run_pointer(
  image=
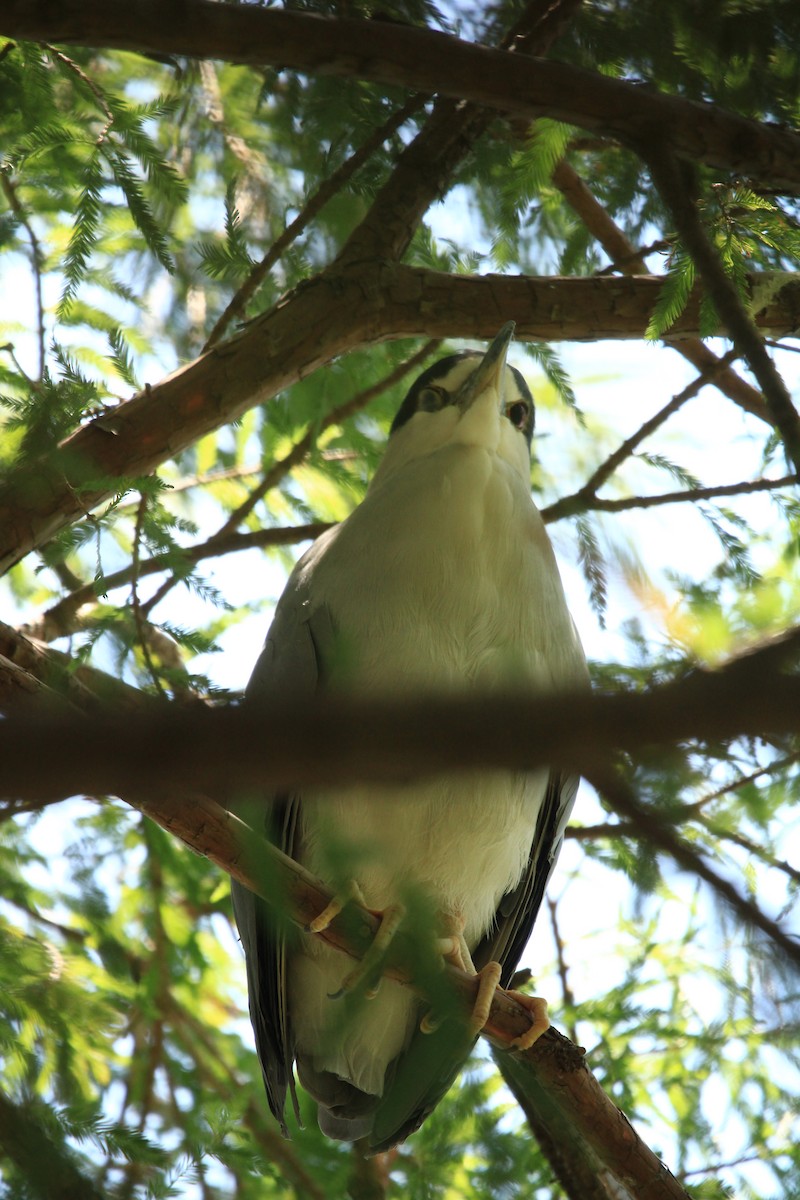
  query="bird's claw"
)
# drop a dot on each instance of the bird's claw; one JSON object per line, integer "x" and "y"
{"x": 351, "y": 892}
{"x": 367, "y": 973}
{"x": 540, "y": 1022}
{"x": 455, "y": 950}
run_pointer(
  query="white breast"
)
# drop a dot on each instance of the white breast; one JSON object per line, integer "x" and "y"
{"x": 443, "y": 579}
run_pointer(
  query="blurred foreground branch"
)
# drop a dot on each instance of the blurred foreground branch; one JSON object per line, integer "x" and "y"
{"x": 231, "y": 750}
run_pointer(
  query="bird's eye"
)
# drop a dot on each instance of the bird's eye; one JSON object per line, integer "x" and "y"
{"x": 430, "y": 399}
{"x": 517, "y": 414}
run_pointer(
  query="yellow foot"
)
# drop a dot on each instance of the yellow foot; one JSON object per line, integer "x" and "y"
{"x": 367, "y": 973}
{"x": 540, "y": 1022}
{"x": 352, "y": 892}
{"x": 455, "y": 950}
{"x": 488, "y": 985}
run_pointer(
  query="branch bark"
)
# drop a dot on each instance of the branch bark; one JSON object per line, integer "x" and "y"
{"x": 423, "y": 60}
{"x": 340, "y": 309}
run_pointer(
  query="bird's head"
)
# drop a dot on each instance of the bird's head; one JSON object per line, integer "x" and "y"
{"x": 471, "y": 399}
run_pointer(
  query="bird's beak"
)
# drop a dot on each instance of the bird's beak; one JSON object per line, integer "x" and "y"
{"x": 488, "y": 375}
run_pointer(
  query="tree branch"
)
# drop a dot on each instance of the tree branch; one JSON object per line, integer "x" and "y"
{"x": 572, "y": 1097}
{"x": 339, "y": 310}
{"x": 375, "y": 738}
{"x": 37, "y": 261}
{"x": 425, "y": 169}
{"x": 425, "y": 61}
{"x": 746, "y": 487}
{"x": 325, "y": 192}
{"x": 586, "y": 496}
{"x": 567, "y": 1095}
{"x": 226, "y": 539}
{"x": 596, "y": 1157}
{"x": 625, "y": 256}
{"x": 64, "y": 617}
{"x": 661, "y": 834}
{"x": 671, "y": 181}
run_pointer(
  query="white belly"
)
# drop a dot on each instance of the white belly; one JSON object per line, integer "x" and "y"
{"x": 449, "y": 583}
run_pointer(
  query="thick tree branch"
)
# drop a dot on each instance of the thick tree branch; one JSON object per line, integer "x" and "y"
{"x": 232, "y": 750}
{"x": 554, "y": 1078}
{"x": 425, "y": 169}
{"x": 425, "y": 61}
{"x": 598, "y": 1156}
{"x": 356, "y": 306}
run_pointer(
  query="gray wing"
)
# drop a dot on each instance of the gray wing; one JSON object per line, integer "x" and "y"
{"x": 428, "y": 1067}
{"x": 287, "y": 669}
{"x": 518, "y": 910}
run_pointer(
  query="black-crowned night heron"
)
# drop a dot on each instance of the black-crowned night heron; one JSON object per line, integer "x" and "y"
{"x": 443, "y": 579}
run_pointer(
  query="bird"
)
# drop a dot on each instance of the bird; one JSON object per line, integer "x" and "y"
{"x": 443, "y": 579}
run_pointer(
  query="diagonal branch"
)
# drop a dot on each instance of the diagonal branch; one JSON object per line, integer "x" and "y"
{"x": 426, "y": 167}
{"x": 586, "y": 497}
{"x": 628, "y": 259}
{"x": 300, "y": 450}
{"x": 226, "y": 539}
{"x": 661, "y": 835}
{"x": 325, "y": 192}
{"x": 687, "y": 496}
{"x": 671, "y": 181}
{"x": 65, "y": 616}
{"x": 571, "y": 1096}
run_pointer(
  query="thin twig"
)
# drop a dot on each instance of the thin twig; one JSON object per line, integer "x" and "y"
{"x": 282, "y": 466}
{"x": 742, "y": 781}
{"x": 626, "y": 829}
{"x": 661, "y": 835}
{"x": 89, "y": 83}
{"x": 63, "y": 617}
{"x": 689, "y": 495}
{"x": 297, "y": 454}
{"x": 586, "y": 497}
{"x": 567, "y": 993}
{"x": 139, "y": 617}
{"x": 37, "y": 260}
{"x": 293, "y": 459}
